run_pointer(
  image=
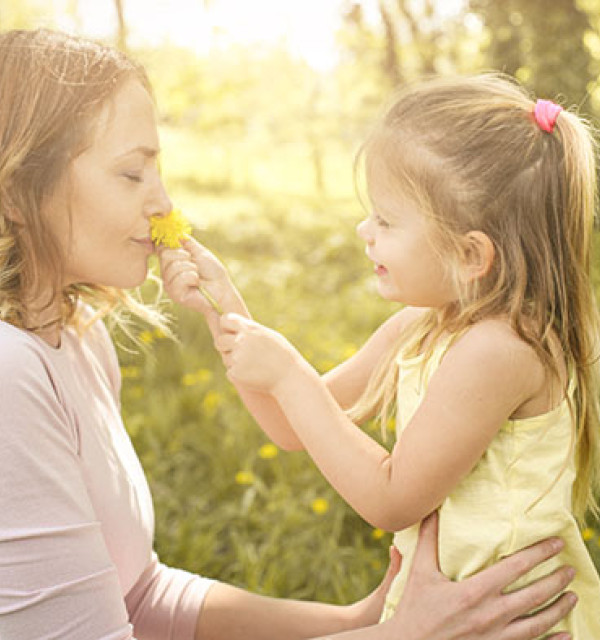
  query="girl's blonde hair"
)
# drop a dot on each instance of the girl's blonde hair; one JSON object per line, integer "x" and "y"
{"x": 52, "y": 88}
{"x": 470, "y": 154}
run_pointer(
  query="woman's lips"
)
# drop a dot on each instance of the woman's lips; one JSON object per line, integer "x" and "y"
{"x": 146, "y": 243}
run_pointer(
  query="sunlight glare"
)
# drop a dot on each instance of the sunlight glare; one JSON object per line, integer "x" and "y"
{"x": 306, "y": 29}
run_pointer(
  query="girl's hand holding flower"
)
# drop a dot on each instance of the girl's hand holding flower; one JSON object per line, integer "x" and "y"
{"x": 192, "y": 275}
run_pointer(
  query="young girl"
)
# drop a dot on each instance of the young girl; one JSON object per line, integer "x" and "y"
{"x": 482, "y": 215}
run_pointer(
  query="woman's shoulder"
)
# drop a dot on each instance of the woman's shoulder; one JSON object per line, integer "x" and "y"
{"x": 18, "y": 347}
{"x": 26, "y": 368}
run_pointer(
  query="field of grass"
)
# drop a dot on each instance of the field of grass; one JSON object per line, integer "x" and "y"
{"x": 229, "y": 504}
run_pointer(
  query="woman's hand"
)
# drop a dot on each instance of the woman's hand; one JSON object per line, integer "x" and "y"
{"x": 367, "y": 611}
{"x": 192, "y": 268}
{"x": 435, "y": 608}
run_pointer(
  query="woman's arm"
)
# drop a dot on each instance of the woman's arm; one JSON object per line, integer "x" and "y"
{"x": 231, "y": 613}
{"x": 432, "y": 608}
{"x": 481, "y": 381}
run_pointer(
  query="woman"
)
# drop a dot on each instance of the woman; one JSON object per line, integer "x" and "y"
{"x": 78, "y": 185}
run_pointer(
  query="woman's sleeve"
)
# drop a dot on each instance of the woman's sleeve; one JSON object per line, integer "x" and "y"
{"x": 165, "y": 603}
{"x": 56, "y": 576}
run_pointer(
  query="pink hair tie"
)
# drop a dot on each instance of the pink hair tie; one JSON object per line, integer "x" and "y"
{"x": 545, "y": 113}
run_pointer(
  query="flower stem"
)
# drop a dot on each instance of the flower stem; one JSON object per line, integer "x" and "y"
{"x": 213, "y": 303}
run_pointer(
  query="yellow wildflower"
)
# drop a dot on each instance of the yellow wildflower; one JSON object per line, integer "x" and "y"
{"x": 377, "y": 534}
{"x": 147, "y": 337}
{"x": 244, "y": 477}
{"x": 211, "y": 402}
{"x": 587, "y": 534}
{"x": 188, "y": 380}
{"x": 204, "y": 375}
{"x": 169, "y": 230}
{"x": 130, "y": 372}
{"x": 320, "y": 506}
{"x": 268, "y": 451}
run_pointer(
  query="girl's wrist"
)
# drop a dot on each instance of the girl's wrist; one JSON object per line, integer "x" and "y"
{"x": 299, "y": 375}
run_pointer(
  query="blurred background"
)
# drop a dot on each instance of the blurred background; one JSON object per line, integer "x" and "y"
{"x": 262, "y": 106}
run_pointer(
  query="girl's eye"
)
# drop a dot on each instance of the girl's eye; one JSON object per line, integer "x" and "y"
{"x": 381, "y": 221}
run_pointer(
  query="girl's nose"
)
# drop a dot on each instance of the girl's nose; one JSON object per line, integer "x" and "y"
{"x": 363, "y": 231}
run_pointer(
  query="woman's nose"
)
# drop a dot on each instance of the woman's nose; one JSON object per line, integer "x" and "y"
{"x": 160, "y": 203}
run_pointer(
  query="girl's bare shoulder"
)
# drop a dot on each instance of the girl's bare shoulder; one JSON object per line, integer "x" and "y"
{"x": 496, "y": 346}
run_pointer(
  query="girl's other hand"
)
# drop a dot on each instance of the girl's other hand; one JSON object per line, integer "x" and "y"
{"x": 255, "y": 356}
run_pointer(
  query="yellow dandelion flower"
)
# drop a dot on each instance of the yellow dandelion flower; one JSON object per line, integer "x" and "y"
{"x": 146, "y": 337}
{"x": 377, "y": 534}
{"x": 169, "y": 230}
{"x": 268, "y": 451}
{"x": 188, "y": 380}
{"x": 587, "y": 534}
{"x": 320, "y": 506}
{"x": 204, "y": 375}
{"x": 130, "y": 372}
{"x": 211, "y": 402}
{"x": 244, "y": 477}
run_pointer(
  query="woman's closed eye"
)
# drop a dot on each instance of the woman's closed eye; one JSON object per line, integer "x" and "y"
{"x": 133, "y": 176}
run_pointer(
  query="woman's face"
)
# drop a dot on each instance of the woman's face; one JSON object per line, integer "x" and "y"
{"x": 101, "y": 211}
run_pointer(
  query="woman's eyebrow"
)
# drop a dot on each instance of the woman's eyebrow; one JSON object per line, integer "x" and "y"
{"x": 149, "y": 152}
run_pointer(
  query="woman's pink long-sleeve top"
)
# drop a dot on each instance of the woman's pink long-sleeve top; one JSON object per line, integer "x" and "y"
{"x": 76, "y": 516}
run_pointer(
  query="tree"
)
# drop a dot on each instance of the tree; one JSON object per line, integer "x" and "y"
{"x": 542, "y": 44}
{"x": 121, "y": 26}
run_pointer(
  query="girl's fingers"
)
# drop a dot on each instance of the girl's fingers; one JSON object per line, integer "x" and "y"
{"x": 225, "y": 342}
{"x": 182, "y": 279}
{"x": 233, "y": 322}
{"x": 169, "y": 269}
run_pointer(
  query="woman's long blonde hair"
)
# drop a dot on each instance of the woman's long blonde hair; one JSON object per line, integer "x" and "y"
{"x": 470, "y": 154}
{"x": 52, "y": 87}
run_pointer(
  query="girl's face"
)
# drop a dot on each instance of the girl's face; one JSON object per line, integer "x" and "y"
{"x": 101, "y": 211}
{"x": 408, "y": 267}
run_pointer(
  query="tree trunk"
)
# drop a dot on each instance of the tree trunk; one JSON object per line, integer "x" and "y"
{"x": 122, "y": 27}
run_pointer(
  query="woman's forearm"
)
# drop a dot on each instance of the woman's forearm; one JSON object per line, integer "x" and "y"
{"x": 230, "y": 613}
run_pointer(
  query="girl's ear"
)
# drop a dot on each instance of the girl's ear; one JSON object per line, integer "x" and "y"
{"x": 478, "y": 255}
